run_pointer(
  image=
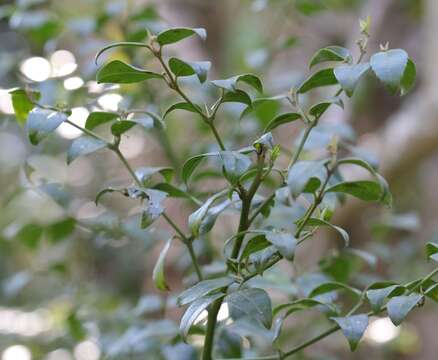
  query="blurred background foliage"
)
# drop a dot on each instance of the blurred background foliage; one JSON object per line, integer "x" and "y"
{"x": 75, "y": 277}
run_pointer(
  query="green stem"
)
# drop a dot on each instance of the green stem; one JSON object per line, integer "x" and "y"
{"x": 194, "y": 260}
{"x": 127, "y": 166}
{"x": 188, "y": 242}
{"x": 303, "y": 140}
{"x": 275, "y": 259}
{"x": 125, "y": 162}
{"x": 174, "y": 85}
{"x": 260, "y": 208}
{"x": 336, "y": 327}
{"x": 216, "y": 134}
{"x": 243, "y": 226}
{"x": 246, "y": 205}
{"x": 211, "y": 327}
{"x": 88, "y": 132}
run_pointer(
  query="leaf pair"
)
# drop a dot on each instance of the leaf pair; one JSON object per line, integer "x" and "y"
{"x": 200, "y": 296}
{"x": 284, "y": 242}
{"x": 392, "y": 67}
{"x": 42, "y": 122}
{"x": 235, "y": 163}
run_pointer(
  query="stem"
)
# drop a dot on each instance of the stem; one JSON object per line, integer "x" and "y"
{"x": 301, "y": 145}
{"x": 275, "y": 259}
{"x": 260, "y": 208}
{"x": 216, "y": 134}
{"x": 127, "y": 166}
{"x": 246, "y": 205}
{"x": 314, "y": 206}
{"x": 195, "y": 263}
{"x": 211, "y": 327}
{"x": 185, "y": 239}
{"x": 86, "y": 131}
{"x": 174, "y": 85}
{"x": 312, "y": 341}
{"x": 188, "y": 242}
{"x": 243, "y": 226}
{"x": 336, "y": 327}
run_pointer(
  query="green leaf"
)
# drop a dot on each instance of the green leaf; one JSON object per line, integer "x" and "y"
{"x": 302, "y": 304}
{"x": 353, "y": 327}
{"x": 282, "y": 119}
{"x": 330, "y": 53}
{"x": 239, "y": 96}
{"x": 254, "y": 245}
{"x": 251, "y": 303}
{"x": 30, "y": 235}
{"x": 42, "y": 122}
{"x": 108, "y": 190}
{"x": 409, "y": 77}
{"x": 211, "y": 216}
{"x": 363, "y": 189}
{"x": 147, "y": 119}
{"x": 325, "y": 77}
{"x": 61, "y": 229}
{"x": 196, "y": 218}
{"x": 321, "y": 222}
{"x": 192, "y": 163}
{"x": 173, "y": 35}
{"x": 318, "y": 109}
{"x": 389, "y": 66}
{"x": 310, "y": 7}
{"x": 158, "y": 273}
{"x": 333, "y": 286}
{"x": 75, "y": 327}
{"x": 305, "y": 173}
{"x": 119, "y": 44}
{"x": 194, "y": 310}
{"x": 377, "y": 293}
{"x": 386, "y": 194}
{"x": 118, "y": 72}
{"x": 400, "y": 306}
{"x": 284, "y": 242}
{"x": 432, "y": 251}
{"x": 203, "y": 288}
{"x": 22, "y": 105}
{"x": 173, "y": 191}
{"x": 182, "y": 106}
{"x": 349, "y": 76}
{"x": 265, "y": 108}
{"x": 189, "y": 68}
{"x": 84, "y": 145}
{"x": 122, "y": 126}
{"x": 230, "y": 84}
{"x": 153, "y": 209}
{"x": 234, "y": 165}
{"x": 144, "y": 174}
{"x": 98, "y": 118}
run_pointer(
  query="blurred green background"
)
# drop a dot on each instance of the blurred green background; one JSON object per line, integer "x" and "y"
{"x": 75, "y": 278}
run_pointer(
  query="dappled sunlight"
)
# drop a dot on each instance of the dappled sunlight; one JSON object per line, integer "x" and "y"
{"x": 87, "y": 350}
{"x": 17, "y": 352}
{"x": 381, "y": 331}
{"x": 63, "y": 63}
{"x": 36, "y": 68}
{"x": 79, "y": 117}
{"x": 59, "y": 354}
{"x": 6, "y": 102}
{"x": 24, "y": 323}
{"x": 73, "y": 83}
{"x": 110, "y": 101}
